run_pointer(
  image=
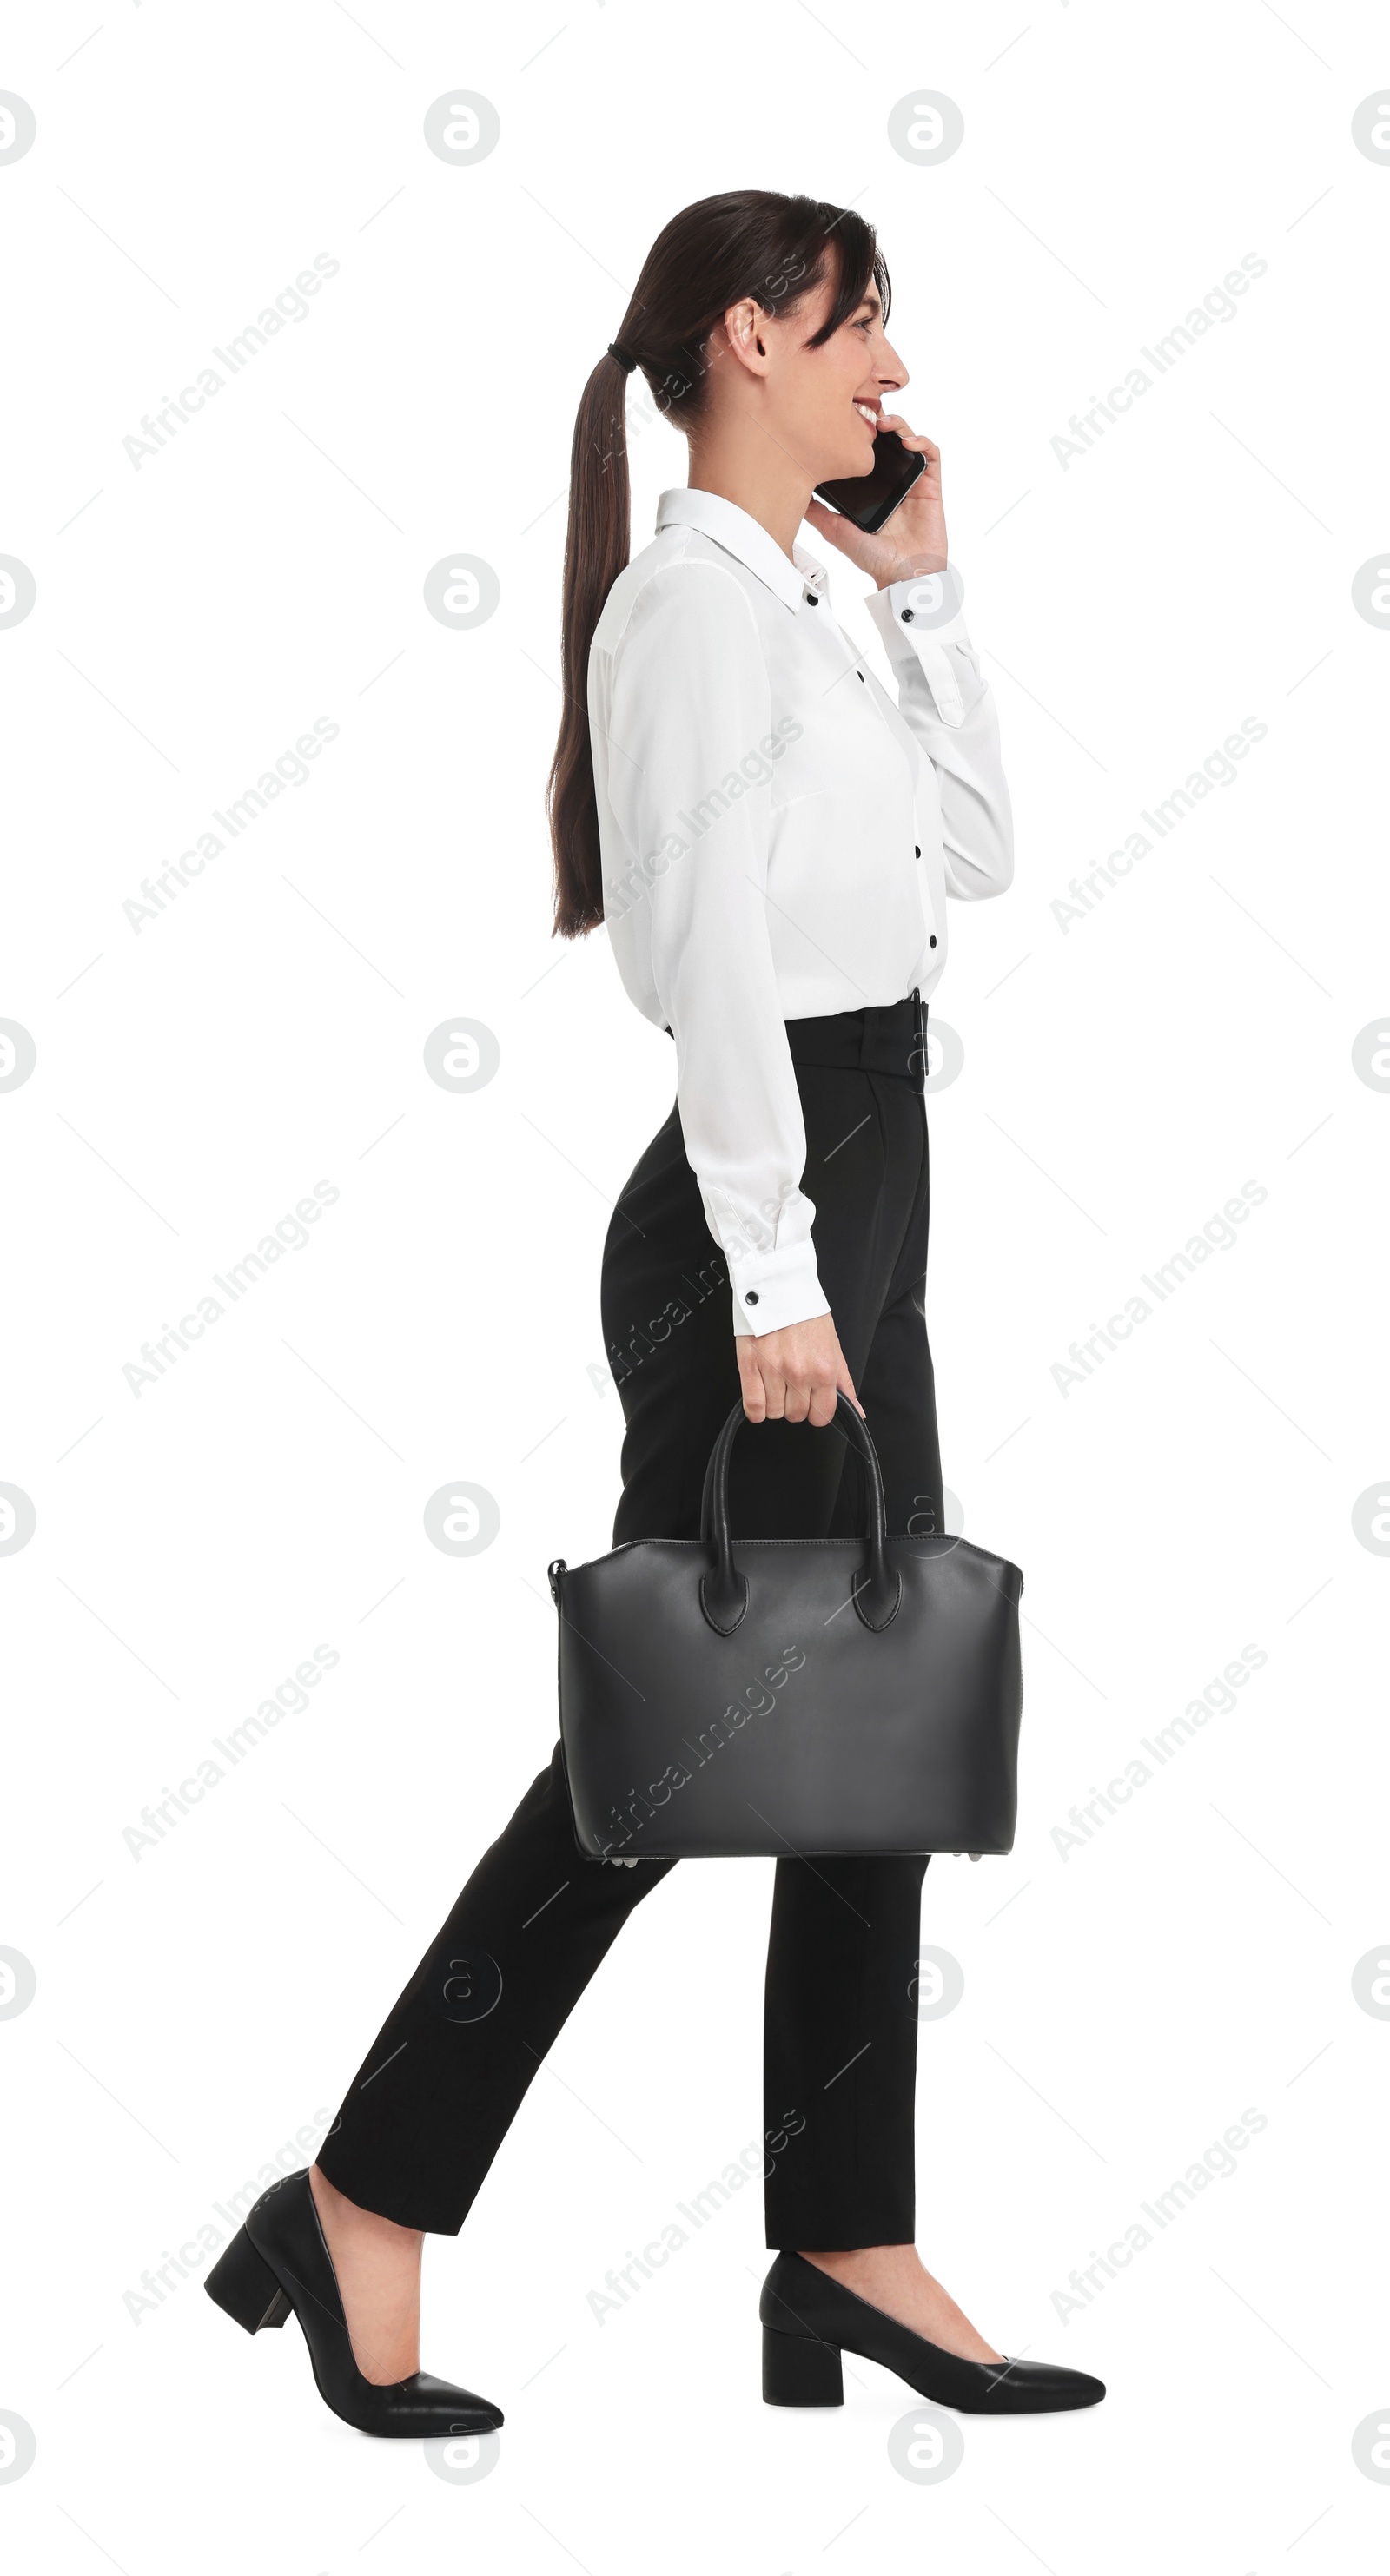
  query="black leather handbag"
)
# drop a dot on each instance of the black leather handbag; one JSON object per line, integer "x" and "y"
{"x": 778, "y": 1696}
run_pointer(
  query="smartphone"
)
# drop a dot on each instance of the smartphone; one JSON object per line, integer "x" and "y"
{"x": 869, "y": 500}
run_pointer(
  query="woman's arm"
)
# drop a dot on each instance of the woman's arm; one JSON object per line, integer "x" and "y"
{"x": 942, "y": 693}
{"x": 945, "y": 698}
{"x": 690, "y": 760}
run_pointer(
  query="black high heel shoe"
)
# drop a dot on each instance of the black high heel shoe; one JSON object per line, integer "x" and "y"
{"x": 279, "y": 2262}
{"x": 809, "y": 2320}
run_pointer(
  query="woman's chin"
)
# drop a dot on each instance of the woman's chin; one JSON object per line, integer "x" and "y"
{"x": 852, "y": 469}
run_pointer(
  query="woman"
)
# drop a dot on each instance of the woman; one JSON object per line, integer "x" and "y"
{"x": 771, "y": 839}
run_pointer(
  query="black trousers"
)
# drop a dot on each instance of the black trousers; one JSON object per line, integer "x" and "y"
{"x": 443, "y": 2080}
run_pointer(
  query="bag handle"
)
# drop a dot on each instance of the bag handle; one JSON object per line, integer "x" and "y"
{"x": 877, "y": 1586}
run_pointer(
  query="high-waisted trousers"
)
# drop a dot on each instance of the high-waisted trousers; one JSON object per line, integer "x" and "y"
{"x": 441, "y": 2084}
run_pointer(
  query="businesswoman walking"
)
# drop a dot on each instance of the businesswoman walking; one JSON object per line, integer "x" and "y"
{"x": 771, "y": 838}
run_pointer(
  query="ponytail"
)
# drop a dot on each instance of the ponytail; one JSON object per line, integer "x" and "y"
{"x": 596, "y": 551}
{"x": 710, "y": 256}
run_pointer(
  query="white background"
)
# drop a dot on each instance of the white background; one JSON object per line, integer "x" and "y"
{"x": 1122, "y": 1078}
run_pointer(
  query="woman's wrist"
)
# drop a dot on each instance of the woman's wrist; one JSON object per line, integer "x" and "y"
{"x": 913, "y": 568}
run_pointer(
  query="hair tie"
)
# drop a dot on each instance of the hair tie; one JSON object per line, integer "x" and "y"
{"x": 625, "y": 362}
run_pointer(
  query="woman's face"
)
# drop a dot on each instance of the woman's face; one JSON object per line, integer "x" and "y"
{"x": 823, "y": 404}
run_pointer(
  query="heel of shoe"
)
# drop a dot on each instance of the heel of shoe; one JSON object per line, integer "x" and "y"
{"x": 798, "y": 2371}
{"x": 243, "y": 2284}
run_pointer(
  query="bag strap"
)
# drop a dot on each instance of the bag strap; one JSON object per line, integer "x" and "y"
{"x": 877, "y": 1587}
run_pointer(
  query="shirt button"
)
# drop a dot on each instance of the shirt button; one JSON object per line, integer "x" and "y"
{"x": 932, "y": 941}
{"x": 906, "y": 616}
{"x": 859, "y": 675}
{"x": 751, "y": 1296}
{"x": 811, "y": 600}
{"x": 918, "y": 851}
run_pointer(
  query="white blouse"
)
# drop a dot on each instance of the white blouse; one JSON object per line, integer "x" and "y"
{"x": 778, "y": 839}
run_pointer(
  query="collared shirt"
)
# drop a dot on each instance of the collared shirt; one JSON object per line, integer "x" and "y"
{"x": 778, "y": 839}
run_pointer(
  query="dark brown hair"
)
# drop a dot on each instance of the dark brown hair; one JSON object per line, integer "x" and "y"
{"x": 711, "y": 255}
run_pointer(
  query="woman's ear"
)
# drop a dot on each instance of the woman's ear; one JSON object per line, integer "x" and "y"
{"x": 743, "y": 337}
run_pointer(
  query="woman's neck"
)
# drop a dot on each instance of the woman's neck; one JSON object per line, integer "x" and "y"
{"x": 753, "y": 470}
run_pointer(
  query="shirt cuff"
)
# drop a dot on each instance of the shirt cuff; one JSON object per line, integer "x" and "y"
{"x": 774, "y": 1289}
{"x": 917, "y": 620}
